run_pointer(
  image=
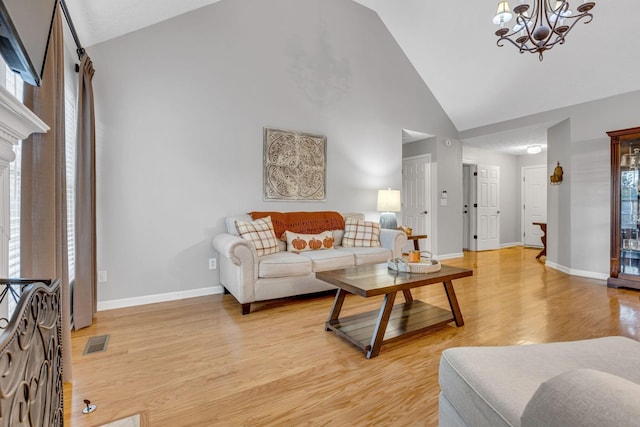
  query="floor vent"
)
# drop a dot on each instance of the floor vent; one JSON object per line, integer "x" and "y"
{"x": 96, "y": 344}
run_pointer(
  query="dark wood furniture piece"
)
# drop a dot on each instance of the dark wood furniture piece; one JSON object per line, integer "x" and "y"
{"x": 416, "y": 238}
{"x": 370, "y": 330}
{"x": 625, "y": 213}
{"x": 543, "y": 227}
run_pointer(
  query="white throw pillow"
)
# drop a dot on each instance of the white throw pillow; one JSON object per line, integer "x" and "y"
{"x": 297, "y": 242}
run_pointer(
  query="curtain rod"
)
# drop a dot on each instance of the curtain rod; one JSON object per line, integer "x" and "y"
{"x": 67, "y": 16}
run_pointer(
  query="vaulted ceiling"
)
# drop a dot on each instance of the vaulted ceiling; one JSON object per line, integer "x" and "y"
{"x": 453, "y": 47}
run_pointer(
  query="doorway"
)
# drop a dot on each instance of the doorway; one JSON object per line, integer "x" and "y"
{"x": 534, "y": 204}
{"x": 416, "y": 197}
{"x": 468, "y": 210}
{"x": 481, "y": 207}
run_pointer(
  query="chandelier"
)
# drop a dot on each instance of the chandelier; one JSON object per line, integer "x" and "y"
{"x": 541, "y": 27}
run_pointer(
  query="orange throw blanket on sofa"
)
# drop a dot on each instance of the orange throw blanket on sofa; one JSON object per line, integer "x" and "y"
{"x": 302, "y": 222}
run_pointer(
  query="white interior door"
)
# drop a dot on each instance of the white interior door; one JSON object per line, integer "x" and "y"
{"x": 534, "y": 203}
{"x": 416, "y": 198}
{"x": 466, "y": 202}
{"x": 488, "y": 227}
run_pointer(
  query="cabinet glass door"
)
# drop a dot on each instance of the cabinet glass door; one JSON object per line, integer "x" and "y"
{"x": 629, "y": 215}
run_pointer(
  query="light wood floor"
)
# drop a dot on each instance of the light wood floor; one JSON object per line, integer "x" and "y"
{"x": 199, "y": 362}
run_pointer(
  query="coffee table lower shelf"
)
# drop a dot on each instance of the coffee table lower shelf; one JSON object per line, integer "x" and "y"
{"x": 406, "y": 318}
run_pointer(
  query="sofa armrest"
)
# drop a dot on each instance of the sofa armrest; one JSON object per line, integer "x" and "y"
{"x": 230, "y": 246}
{"x": 238, "y": 266}
{"x": 394, "y": 240}
{"x": 584, "y": 397}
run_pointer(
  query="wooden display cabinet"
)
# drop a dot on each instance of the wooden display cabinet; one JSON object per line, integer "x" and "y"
{"x": 625, "y": 211}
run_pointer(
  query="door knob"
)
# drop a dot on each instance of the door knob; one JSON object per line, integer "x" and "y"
{"x": 498, "y": 212}
{"x": 424, "y": 212}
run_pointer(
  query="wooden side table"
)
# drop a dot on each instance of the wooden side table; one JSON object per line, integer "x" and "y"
{"x": 543, "y": 227}
{"x": 416, "y": 238}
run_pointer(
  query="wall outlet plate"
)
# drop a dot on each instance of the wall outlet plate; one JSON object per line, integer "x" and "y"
{"x": 102, "y": 276}
{"x": 212, "y": 264}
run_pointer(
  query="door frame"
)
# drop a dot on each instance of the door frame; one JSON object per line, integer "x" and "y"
{"x": 473, "y": 200}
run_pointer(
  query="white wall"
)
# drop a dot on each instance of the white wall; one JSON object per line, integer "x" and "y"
{"x": 181, "y": 107}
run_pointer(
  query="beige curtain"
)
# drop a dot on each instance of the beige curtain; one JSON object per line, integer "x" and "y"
{"x": 43, "y": 221}
{"x": 84, "y": 289}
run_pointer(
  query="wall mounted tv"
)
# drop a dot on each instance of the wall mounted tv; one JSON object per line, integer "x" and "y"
{"x": 25, "y": 26}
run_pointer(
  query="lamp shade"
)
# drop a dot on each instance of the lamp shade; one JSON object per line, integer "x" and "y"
{"x": 389, "y": 200}
{"x": 503, "y": 14}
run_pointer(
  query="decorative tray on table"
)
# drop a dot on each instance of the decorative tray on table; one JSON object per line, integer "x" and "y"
{"x": 424, "y": 266}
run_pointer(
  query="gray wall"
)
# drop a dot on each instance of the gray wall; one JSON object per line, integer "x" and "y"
{"x": 559, "y": 196}
{"x": 181, "y": 107}
{"x": 590, "y": 205}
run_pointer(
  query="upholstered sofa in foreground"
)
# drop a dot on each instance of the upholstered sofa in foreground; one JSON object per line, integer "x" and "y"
{"x": 307, "y": 242}
{"x": 581, "y": 383}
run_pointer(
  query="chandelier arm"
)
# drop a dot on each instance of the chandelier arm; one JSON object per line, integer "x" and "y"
{"x": 577, "y": 19}
{"x": 523, "y": 47}
{"x": 543, "y": 19}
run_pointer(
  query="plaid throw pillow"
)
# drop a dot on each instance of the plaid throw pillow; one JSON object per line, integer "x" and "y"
{"x": 260, "y": 233}
{"x": 361, "y": 233}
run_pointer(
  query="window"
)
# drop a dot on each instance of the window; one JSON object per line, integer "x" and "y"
{"x": 13, "y": 83}
{"x": 70, "y": 158}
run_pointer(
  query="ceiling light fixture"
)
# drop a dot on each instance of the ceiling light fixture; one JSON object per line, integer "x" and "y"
{"x": 541, "y": 28}
{"x": 534, "y": 149}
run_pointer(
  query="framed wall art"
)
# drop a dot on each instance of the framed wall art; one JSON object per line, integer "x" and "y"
{"x": 295, "y": 165}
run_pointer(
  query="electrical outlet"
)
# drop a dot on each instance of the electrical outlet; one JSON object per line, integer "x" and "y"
{"x": 102, "y": 276}
{"x": 212, "y": 264}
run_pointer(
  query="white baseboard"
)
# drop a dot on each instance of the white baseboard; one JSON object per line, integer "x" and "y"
{"x": 510, "y": 245}
{"x": 449, "y": 256}
{"x": 150, "y": 299}
{"x": 574, "y": 272}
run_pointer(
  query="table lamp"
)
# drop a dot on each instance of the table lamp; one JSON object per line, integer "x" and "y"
{"x": 388, "y": 205}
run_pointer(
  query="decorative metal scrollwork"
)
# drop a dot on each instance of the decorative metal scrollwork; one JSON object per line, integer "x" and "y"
{"x": 31, "y": 357}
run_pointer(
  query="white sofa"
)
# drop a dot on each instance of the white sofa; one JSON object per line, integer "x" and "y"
{"x": 250, "y": 278}
{"x": 593, "y": 382}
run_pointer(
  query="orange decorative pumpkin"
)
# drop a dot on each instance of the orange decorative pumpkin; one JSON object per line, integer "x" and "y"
{"x": 328, "y": 242}
{"x": 315, "y": 244}
{"x": 299, "y": 243}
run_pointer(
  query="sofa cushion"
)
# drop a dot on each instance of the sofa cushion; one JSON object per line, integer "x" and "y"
{"x": 303, "y": 222}
{"x": 365, "y": 256}
{"x": 260, "y": 234}
{"x": 283, "y": 264}
{"x": 297, "y": 242}
{"x": 586, "y": 398}
{"x": 329, "y": 260}
{"x": 491, "y": 386}
{"x": 361, "y": 233}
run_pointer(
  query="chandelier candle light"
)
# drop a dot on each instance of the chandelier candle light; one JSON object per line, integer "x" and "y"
{"x": 541, "y": 27}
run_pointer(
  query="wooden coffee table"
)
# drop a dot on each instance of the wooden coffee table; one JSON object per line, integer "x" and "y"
{"x": 371, "y": 329}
